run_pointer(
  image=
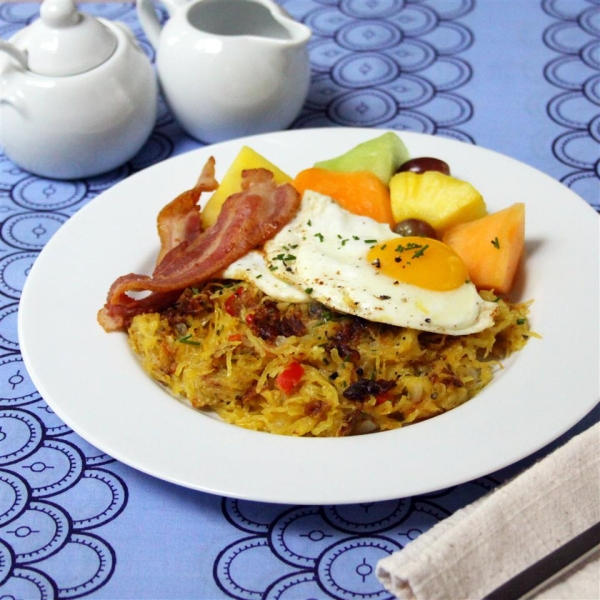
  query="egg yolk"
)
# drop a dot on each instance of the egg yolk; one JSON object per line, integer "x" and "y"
{"x": 420, "y": 261}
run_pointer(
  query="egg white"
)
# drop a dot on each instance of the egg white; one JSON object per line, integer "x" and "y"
{"x": 322, "y": 254}
{"x": 253, "y": 268}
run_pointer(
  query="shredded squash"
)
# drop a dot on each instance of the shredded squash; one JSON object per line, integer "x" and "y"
{"x": 303, "y": 370}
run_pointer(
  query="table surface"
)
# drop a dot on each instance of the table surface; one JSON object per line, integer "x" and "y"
{"x": 518, "y": 76}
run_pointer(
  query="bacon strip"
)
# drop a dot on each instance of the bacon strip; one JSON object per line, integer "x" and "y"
{"x": 179, "y": 221}
{"x": 246, "y": 220}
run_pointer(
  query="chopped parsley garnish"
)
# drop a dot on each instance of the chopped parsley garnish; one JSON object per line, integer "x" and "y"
{"x": 285, "y": 257}
{"x": 187, "y": 339}
{"x": 421, "y": 251}
{"x": 521, "y": 321}
{"x": 320, "y": 236}
{"x": 496, "y": 243}
{"x": 308, "y": 290}
{"x": 370, "y": 241}
{"x": 409, "y": 246}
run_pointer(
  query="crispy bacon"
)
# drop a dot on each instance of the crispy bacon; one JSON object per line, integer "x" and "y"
{"x": 246, "y": 220}
{"x": 179, "y": 221}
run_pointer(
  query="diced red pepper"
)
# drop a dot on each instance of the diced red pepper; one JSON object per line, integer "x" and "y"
{"x": 235, "y": 337}
{"x": 230, "y": 302}
{"x": 290, "y": 377}
{"x": 383, "y": 397}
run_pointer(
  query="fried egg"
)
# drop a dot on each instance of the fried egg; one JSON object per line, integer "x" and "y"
{"x": 358, "y": 266}
{"x": 253, "y": 268}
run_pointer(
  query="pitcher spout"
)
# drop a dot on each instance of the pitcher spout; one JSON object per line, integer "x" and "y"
{"x": 299, "y": 34}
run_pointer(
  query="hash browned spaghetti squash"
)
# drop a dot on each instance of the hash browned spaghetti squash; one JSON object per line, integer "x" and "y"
{"x": 303, "y": 370}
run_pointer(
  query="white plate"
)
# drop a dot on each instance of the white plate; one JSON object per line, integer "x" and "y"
{"x": 93, "y": 382}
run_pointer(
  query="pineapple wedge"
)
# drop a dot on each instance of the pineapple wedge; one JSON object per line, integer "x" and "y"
{"x": 441, "y": 200}
{"x": 247, "y": 158}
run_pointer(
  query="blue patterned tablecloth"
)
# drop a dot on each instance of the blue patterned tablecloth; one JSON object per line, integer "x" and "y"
{"x": 519, "y": 76}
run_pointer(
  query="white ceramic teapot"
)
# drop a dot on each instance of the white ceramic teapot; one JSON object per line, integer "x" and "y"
{"x": 229, "y": 68}
{"x": 78, "y": 97}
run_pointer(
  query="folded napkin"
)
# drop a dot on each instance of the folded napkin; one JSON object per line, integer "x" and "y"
{"x": 480, "y": 547}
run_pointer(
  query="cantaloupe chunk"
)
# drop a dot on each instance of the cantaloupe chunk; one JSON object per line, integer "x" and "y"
{"x": 231, "y": 183}
{"x": 439, "y": 199}
{"x": 491, "y": 247}
{"x": 359, "y": 192}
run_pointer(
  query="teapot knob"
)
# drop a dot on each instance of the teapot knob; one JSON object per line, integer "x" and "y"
{"x": 64, "y": 41}
{"x": 59, "y": 13}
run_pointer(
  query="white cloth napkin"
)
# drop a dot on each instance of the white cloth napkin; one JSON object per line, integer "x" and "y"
{"x": 471, "y": 553}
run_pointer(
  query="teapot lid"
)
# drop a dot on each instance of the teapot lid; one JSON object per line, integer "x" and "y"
{"x": 66, "y": 42}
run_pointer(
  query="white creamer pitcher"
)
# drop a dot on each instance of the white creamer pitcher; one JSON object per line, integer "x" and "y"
{"x": 229, "y": 68}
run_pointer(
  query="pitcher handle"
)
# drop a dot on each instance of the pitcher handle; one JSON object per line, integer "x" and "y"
{"x": 149, "y": 19}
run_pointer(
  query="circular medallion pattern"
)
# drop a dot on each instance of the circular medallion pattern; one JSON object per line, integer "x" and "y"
{"x": 56, "y": 466}
{"x": 93, "y": 565}
{"x": 21, "y": 435}
{"x": 347, "y": 569}
{"x": 8, "y": 328}
{"x": 14, "y": 269}
{"x": 28, "y": 583}
{"x": 13, "y": 496}
{"x": 157, "y": 148}
{"x": 325, "y": 53}
{"x": 326, "y": 21}
{"x": 366, "y": 70}
{"x": 379, "y": 9}
{"x": 298, "y": 585}
{"x": 417, "y": 20}
{"x": 414, "y": 55}
{"x": 368, "y": 108}
{"x": 389, "y": 64}
{"x": 107, "y": 495}
{"x": 31, "y": 231}
{"x": 369, "y": 35}
{"x": 39, "y": 532}
{"x": 368, "y": 518}
{"x": 6, "y": 562}
{"x": 18, "y": 14}
{"x": 34, "y": 193}
{"x": 11, "y": 174}
{"x": 574, "y": 72}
